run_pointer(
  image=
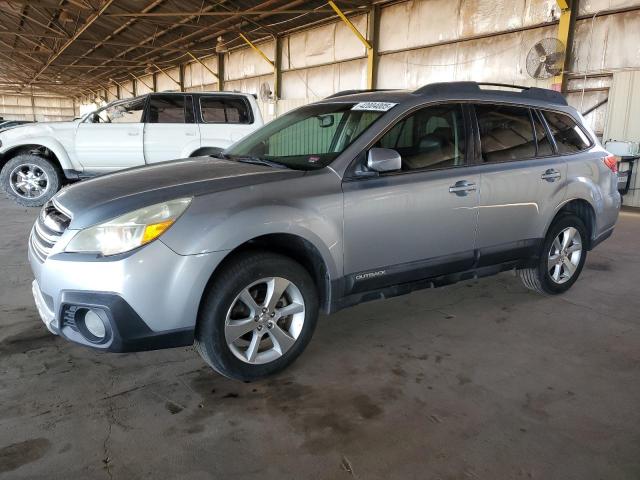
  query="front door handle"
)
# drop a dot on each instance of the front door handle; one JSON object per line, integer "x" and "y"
{"x": 190, "y": 134}
{"x": 550, "y": 175}
{"x": 133, "y": 134}
{"x": 462, "y": 188}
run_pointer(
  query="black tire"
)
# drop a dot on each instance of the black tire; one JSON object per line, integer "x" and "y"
{"x": 53, "y": 179}
{"x": 236, "y": 275}
{"x": 538, "y": 278}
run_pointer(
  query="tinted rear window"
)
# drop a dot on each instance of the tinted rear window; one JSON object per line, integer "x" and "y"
{"x": 224, "y": 110}
{"x": 506, "y": 133}
{"x": 171, "y": 109}
{"x": 568, "y": 135}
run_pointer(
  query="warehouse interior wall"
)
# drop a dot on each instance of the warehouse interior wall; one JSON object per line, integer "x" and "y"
{"x": 41, "y": 108}
{"x": 419, "y": 42}
{"x": 623, "y": 121}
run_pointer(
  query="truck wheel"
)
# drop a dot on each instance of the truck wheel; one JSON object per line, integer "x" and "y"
{"x": 257, "y": 316}
{"x": 561, "y": 259}
{"x": 30, "y": 180}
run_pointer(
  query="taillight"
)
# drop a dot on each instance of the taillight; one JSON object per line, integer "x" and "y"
{"x": 611, "y": 161}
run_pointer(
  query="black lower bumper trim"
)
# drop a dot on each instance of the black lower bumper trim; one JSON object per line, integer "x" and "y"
{"x": 127, "y": 332}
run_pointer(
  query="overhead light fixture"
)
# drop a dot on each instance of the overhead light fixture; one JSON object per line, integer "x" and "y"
{"x": 220, "y": 47}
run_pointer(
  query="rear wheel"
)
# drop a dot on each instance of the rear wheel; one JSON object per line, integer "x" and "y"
{"x": 257, "y": 317}
{"x": 30, "y": 180}
{"x": 561, "y": 259}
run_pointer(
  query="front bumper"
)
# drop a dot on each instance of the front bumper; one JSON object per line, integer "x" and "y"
{"x": 148, "y": 299}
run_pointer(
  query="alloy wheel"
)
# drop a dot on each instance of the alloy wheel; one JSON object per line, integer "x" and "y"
{"x": 29, "y": 181}
{"x": 265, "y": 320}
{"x": 564, "y": 255}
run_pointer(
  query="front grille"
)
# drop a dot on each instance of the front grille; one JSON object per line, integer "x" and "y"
{"x": 47, "y": 230}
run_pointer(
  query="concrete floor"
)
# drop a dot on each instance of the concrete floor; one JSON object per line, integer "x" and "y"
{"x": 479, "y": 380}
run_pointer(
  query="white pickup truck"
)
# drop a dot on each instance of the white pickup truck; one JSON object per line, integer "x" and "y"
{"x": 37, "y": 159}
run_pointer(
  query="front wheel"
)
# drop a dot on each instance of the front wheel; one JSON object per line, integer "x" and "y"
{"x": 30, "y": 180}
{"x": 561, "y": 259}
{"x": 257, "y": 316}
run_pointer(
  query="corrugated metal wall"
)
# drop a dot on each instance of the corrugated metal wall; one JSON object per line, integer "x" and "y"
{"x": 40, "y": 108}
{"x": 623, "y": 121}
{"x": 424, "y": 41}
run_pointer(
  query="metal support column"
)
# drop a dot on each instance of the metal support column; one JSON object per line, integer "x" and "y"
{"x": 220, "y": 72}
{"x": 566, "y": 28}
{"x": 265, "y": 58}
{"x": 277, "y": 81}
{"x": 369, "y": 47}
{"x": 202, "y": 64}
{"x": 177, "y": 82}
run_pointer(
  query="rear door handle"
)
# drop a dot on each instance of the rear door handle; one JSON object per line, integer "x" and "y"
{"x": 550, "y": 175}
{"x": 133, "y": 134}
{"x": 190, "y": 134}
{"x": 462, "y": 188}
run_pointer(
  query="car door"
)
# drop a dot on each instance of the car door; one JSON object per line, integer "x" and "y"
{"x": 170, "y": 131}
{"x": 418, "y": 222}
{"x": 522, "y": 181}
{"x": 111, "y": 138}
{"x": 224, "y": 119}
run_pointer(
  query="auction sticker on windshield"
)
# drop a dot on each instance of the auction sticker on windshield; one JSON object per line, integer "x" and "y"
{"x": 374, "y": 106}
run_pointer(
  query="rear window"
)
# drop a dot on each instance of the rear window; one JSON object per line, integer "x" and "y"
{"x": 569, "y": 136}
{"x": 225, "y": 110}
{"x": 170, "y": 109}
{"x": 506, "y": 133}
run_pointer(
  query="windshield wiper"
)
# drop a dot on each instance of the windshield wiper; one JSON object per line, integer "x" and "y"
{"x": 259, "y": 161}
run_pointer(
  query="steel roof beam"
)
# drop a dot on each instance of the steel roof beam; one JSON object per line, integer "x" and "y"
{"x": 79, "y": 32}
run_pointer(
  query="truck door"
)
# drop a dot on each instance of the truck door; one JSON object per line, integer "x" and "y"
{"x": 170, "y": 131}
{"x": 225, "y": 119}
{"x": 111, "y": 138}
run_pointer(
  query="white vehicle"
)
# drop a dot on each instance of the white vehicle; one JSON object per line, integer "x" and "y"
{"x": 37, "y": 159}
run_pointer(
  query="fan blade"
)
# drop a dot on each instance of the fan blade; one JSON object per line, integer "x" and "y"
{"x": 554, "y": 58}
{"x": 540, "y": 49}
{"x": 553, "y": 70}
{"x": 538, "y": 71}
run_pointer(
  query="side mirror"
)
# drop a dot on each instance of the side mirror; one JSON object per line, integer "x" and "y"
{"x": 384, "y": 160}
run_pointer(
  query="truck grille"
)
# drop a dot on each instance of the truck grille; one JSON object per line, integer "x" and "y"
{"x": 47, "y": 230}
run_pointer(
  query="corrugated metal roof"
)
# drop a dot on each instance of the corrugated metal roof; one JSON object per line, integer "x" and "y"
{"x": 67, "y": 46}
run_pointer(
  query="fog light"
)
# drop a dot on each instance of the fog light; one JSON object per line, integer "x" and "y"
{"x": 94, "y": 324}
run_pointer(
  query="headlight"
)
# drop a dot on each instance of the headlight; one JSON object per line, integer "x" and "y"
{"x": 130, "y": 230}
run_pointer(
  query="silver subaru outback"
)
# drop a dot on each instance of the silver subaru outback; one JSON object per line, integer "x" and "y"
{"x": 362, "y": 196}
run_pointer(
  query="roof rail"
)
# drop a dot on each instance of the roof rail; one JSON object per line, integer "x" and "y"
{"x": 354, "y": 91}
{"x": 532, "y": 93}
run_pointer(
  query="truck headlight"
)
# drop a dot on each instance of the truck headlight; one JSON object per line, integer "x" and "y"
{"x": 130, "y": 230}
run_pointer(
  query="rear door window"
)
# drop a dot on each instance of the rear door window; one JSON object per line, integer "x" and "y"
{"x": 506, "y": 133}
{"x": 170, "y": 109}
{"x": 225, "y": 110}
{"x": 568, "y": 135}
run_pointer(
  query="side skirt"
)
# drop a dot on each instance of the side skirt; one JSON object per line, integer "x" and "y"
{"x": 488, "y": 262}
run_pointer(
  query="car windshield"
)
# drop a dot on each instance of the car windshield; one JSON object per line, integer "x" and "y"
{"x": 308, "y": 138}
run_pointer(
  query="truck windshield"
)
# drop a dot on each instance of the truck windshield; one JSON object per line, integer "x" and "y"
{"x": 308, "y": 138}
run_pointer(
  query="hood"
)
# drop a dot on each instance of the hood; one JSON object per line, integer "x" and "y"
{"x": 103, "y": 198}
{"x": 38, "y": 129}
